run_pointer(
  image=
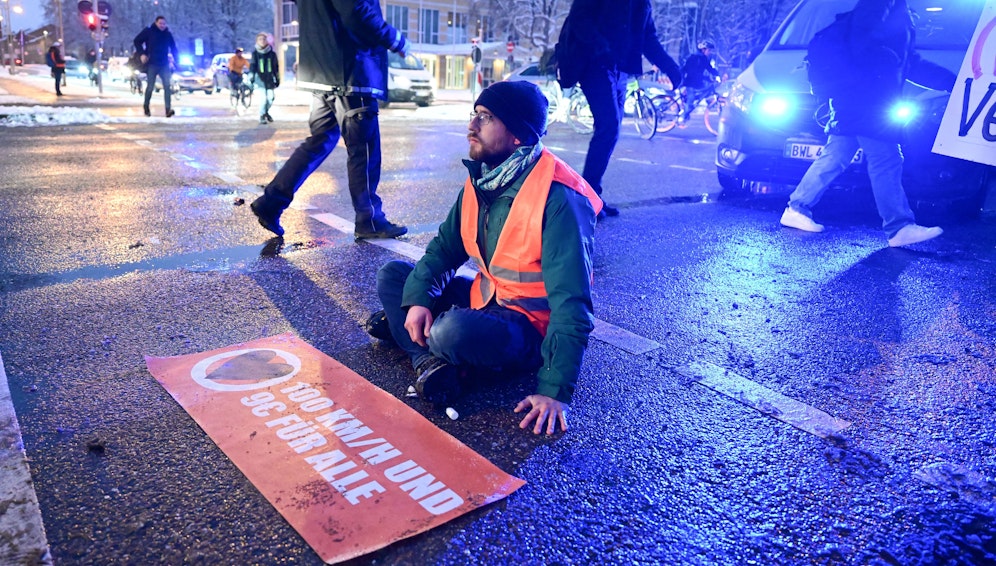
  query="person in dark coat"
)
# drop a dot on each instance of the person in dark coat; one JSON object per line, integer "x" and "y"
{"x": 343, "y": 60}
{"x": 882, "y": 53}
{"x": 155, "y": 45}
{"x": 608, "y": 41}
{"x": 264, "y": 71}
{"x": 57, "y": 63}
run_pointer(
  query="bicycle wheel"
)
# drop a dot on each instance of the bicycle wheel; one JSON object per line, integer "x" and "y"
{"x": 579, "y": 116}
{"x": 645, "y": 116}
{"x": 668, "y": 111}
{"x": 713, "y": 112}
{"x": 246, "y": 98}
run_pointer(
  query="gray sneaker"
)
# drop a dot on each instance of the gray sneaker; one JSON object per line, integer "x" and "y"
{"x": 794, "y": 219}
{"x": 914, "y": 234}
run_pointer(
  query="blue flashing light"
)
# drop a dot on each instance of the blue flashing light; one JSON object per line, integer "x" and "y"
{"x": 774, "y": 107}
{"x": 186, "y": 60}
{"x": 903, "y": 112}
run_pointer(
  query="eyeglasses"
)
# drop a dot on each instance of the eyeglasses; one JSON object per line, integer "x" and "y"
{"x": 484, "y": 117}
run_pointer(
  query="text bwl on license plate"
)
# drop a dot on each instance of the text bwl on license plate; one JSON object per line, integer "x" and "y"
{"x": 810, "y": 151}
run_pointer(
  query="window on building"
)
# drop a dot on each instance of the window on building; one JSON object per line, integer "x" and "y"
{"x": 288, "y": 21}
{"x": 457, "y": 23}
{"x": 485, "y": 29}
{"x": 397, "y": 16}
{"x": 429, "y": 26}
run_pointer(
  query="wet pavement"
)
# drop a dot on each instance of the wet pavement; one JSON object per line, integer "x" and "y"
{"x": 125, "y": 239}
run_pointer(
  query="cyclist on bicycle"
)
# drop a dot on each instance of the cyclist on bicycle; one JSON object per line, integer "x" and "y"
{"x": 693, "y": 76}
{"x": 237, "y": 65}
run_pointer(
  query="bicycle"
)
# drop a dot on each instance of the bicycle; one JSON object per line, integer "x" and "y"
{"x": 644, "y": 113}
{"x": 671, "y": 108}
{"x": 135, "y": 84}
{"x": 241, "y": 97}
{"x": 579, "y": 115}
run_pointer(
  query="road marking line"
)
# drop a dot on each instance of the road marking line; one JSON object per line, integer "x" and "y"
{"x": 687, "y": 168}
{"x": 229, "y": 178}
{"x": 969, "y": 485}
{"x": 21, "y": 521}
{"x": 638, "y": 161}
{"x": 767, "y": 401}
{"x": 143, "y": 142}
{"x": 106, "y": 127}
{"x": 622, "y": 339}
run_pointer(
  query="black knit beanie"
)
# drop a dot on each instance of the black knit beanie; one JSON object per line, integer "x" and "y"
{"x": 520, "y": 105}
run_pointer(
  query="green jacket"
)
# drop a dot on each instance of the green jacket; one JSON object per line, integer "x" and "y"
{"x": 567, "y": 272}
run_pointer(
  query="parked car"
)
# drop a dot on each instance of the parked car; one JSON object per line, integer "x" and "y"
{"x": 190, "y": 78}
{"x": 771, "y": 129}
{"x": 218, "y": 71}
{"x": 408, "y": 81}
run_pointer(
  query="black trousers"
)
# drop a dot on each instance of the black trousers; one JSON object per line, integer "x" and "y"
{"x": 354, "y": 119}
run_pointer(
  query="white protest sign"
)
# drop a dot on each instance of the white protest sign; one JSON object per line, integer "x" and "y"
{"x": 968, "y": 128}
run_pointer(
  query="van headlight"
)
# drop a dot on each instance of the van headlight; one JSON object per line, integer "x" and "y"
{"x": 401, "y": 82}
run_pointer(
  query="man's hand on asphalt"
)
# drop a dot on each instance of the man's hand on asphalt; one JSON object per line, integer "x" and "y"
{"x": 417, "y": 324}
{"x": 547, "y": 412}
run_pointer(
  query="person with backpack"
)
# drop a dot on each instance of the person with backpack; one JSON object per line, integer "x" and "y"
{"x": 601, "y": 44}
{"x": 873, "y": 50}
{"x": 694, "y": 72}
{"x": 57, "y": 63}
{"x": 264, "y": 72}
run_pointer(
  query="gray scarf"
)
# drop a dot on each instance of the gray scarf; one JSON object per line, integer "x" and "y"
{"x": 510, "y": 169}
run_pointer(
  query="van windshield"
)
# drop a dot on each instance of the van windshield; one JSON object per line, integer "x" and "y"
{"x": 941, "y": 24}
{"x": 410, "y": 62}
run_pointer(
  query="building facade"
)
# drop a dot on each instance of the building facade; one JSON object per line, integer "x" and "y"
{"x": 443, "y": 35}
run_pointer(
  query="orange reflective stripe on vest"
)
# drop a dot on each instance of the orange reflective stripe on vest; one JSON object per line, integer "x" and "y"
{"x": 515, "y": 276}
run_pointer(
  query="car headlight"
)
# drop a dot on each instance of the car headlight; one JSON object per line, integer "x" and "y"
{"x": 401, "y": 82}
{"x": 767, "y": 107}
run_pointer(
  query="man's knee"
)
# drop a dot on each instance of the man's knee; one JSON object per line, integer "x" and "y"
{"x": 393, "y": 274}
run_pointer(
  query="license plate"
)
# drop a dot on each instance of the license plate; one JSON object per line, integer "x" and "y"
{"x": 810, "y": 151}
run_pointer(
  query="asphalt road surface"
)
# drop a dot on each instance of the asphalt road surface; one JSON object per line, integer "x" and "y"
{"x": 752, "y": 394}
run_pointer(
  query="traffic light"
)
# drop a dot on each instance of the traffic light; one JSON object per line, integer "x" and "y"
{"x": 91, "y": 21}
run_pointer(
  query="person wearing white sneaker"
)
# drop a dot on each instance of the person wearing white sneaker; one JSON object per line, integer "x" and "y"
{"x": 880, "y": 55}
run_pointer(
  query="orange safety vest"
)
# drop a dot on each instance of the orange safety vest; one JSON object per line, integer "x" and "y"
{"x": 515, "y": 276}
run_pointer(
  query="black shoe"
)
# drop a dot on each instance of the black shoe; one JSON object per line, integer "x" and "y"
{"x": 262, "y": 121}
{"x": 268, "y": 117}
{"x": 609, "y": 210}
{"x": 169, "y": 113}
{"x": 437, "y": 381}
{"x": 382, "y": 229}
{"x": 378, "y": 327}
{"x": 147, "y": 111}
{"x": 268, "y": 220}
{"x": 58, "y": 94}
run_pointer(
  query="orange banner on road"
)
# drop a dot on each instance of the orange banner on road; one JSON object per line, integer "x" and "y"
{"x": 350, "y": 467}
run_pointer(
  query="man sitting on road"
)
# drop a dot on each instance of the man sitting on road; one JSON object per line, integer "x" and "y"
{"x": 237, "y": 65}
{"x": 527, "y": 220}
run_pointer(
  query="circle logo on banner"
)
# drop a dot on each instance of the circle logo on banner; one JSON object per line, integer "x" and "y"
{"x": 244, "y": 370}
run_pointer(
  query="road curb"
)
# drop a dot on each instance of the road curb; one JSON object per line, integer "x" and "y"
{"x": 22, "y": 535}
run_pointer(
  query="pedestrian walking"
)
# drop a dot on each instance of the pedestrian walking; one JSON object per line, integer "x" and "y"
{"x": 527, "y": 220}
{"x": 155, "y": 45}
{"x": 604, "y": 43}
{"x": 880, "y": 55}
{"x": 347, "y": 72}
{"x": 265, "y": 73}
{"x": 57, "y": 63}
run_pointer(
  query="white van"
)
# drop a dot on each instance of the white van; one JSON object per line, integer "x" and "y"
{"x": 408, "y": 81}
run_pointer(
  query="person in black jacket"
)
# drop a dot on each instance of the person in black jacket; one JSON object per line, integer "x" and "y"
{"x": 693, "y": 76}
{"x": 264, "y": 72}
{"x": 342, "y": 58}
{"x": 608, "y": 40}
{"x": 155, "y": 44}
{"x": 882, "y": 54}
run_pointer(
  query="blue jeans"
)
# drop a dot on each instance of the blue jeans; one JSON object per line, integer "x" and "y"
{"x": 164, "y": 73}
{"x": 354, "y": 118}
{"x": 264, "y": 108}
{"x": 493, "y": 338}
{"x": 885, "y": 170}
{"x": 605, "y": 90}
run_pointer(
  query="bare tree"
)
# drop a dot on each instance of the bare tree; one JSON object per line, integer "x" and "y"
{"x": 535, "y": 23}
